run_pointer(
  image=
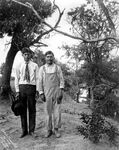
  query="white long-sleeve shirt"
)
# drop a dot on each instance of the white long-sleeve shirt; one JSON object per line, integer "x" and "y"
{"x": 49, "y": 69}
{"x": 20, "y": 73}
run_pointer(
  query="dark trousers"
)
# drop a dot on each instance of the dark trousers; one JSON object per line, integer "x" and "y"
{"x": 27, "y": 95}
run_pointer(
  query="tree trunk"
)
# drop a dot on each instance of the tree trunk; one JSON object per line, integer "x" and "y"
{"x": 77, "y": 96}
{"x": 5, "y": 89}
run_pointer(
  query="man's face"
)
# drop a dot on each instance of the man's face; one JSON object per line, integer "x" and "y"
{"x": 49, "y": 59}
{"x": 27, "y": 56}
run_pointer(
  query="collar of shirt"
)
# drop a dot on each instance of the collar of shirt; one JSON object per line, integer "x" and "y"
{"x": 47, "y": 65}
{"x": 27, "y": 62}
{"x": 50, "y": 68}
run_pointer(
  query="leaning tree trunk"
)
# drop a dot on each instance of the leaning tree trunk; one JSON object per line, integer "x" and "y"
{"x": 17, "y": 44}
{"x": 5, "y": 88}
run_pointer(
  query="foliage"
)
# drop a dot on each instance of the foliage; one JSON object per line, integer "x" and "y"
{"x": 98, "y": 69}
{"x": 67, "y": 75}
{"x": 105, "y": 100}
{"x": 18, "y": 13}
{"x": 95, "y": 127}
{"x": 88, "y": 22}
{"x": 71, "y": 85}
{"x": 103, "y": 92}
{"x": 18, "y": 18}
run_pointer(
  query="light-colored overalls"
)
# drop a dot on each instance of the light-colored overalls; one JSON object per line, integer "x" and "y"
{"x": 53, "y": 110}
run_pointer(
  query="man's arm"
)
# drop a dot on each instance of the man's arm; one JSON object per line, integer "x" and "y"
{"x": 17, "y": 77}
{"x": 37, "y": 81}
{"x": 61, "y": 78}
{"x": 41, "y": 88}
{"x": 60, "y": 92}
{"x": 37, "y": 78}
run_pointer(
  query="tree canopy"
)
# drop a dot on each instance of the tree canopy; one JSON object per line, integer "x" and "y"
{"x": 18, "y": 18}
{"x": 89, "y": 24}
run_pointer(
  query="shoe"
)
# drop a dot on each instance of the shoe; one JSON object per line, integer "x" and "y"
{"x": 57, "y": 134}
{"x": 33, "y": 134}
{"x": 23, "y": 134}
{"x": 48, "y": 134}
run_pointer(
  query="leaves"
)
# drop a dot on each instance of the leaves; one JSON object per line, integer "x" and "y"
{"x": 12, "y": 13}
{"x": 95, "y": 126}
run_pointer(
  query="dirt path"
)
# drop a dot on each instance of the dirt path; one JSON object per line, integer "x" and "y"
{"x": 10, "y": 131}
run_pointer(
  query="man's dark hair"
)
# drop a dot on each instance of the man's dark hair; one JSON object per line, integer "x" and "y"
{"x": 26, "y": 50}
{"x": 49, "y": 52}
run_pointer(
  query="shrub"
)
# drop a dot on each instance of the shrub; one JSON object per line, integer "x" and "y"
{"x": 95, "y": 127}
{"x": 105, "y": 101}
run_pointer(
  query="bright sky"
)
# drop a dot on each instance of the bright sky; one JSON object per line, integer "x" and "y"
{"x": 56, "y": 40}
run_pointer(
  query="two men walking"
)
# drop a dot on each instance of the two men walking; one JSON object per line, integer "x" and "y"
{"x": 49, "y": 83}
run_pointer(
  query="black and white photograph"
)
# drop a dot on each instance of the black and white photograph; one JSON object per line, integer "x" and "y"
{"x": 59, "y": 74}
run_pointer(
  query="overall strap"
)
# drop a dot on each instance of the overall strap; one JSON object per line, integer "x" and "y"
{"x": 44, "y": 69}
{"x": 56, "y": 69}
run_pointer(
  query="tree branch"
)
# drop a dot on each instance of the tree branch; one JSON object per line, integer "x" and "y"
{"x": 41, "y": 44}
{"x": 51, "y": 29}
{"x": 106, "y": 12}
{"x": 20, "y": 3}
{"x": 61, "y": 32}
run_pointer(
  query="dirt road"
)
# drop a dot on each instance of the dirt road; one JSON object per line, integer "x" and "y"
{"x": 70, "y": 140}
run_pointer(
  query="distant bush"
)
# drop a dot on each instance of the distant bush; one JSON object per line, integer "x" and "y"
{"x": 105, "y": 101}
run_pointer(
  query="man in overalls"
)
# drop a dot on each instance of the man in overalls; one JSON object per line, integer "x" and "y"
{"x": 51, "y": 84}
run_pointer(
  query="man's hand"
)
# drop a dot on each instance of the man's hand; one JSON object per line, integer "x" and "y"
{"x": 17, "y": 96}
{"x": 37, "y": 94}
{"x": 42, "y": 96}
{"x": 59, "y": 96}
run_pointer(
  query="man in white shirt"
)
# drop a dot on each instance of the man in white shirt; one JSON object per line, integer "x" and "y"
{"x": 51, "y": 85}
{"x": 26, "y": 85}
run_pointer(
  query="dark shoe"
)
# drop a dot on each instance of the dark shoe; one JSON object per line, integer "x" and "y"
{"x": 33, "y": 134}
{"x": 48, "y": 134}
{"x": 57, "y": 134}
{"x": 23, "y": 134}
